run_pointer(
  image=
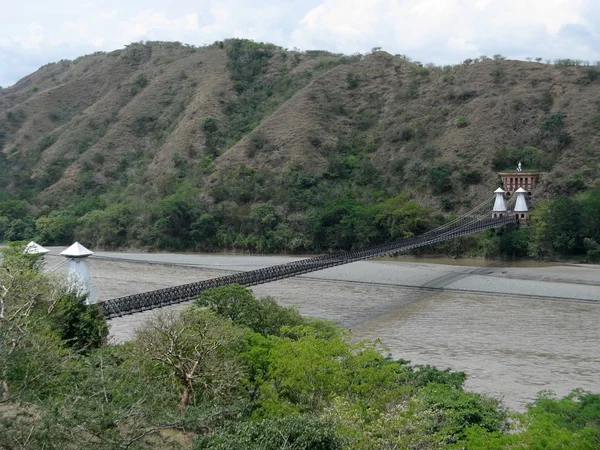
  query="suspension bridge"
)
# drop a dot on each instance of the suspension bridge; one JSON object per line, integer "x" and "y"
{"x": 480, "y": 218}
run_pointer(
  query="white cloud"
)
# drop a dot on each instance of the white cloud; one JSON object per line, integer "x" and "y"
{"x": 149, "y": 21}
{"x": 107, "y": 15}
{"x": 97, "y": 41}
{"x": 441, "y": 30}
{"x": 33, "y": 39}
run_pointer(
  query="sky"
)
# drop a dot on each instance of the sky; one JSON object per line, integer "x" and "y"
{"x": 34, "y": 33}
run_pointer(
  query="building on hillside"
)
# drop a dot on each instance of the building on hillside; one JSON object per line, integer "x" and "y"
{"x": 515, "y": 180}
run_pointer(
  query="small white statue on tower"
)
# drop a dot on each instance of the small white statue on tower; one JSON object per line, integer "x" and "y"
{"x": 519, "y": 169}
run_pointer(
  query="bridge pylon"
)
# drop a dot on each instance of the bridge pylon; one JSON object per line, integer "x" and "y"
{"x": 521, "y": 210}
{"x": 499, "y": 209}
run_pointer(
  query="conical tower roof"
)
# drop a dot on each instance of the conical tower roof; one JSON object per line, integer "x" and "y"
{"x": 521, "y": 204}
{"x": 34, "y": 249}
{"x": 499, "y": 205}
{"x": 76, "y": 251}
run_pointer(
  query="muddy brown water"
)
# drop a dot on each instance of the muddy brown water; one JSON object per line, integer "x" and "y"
{"x": 514, "y": 329}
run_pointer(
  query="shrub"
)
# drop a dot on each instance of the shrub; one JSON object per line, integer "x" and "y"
{"x": 46, "y": 141}
{"x": 81, "y": 326}
{"x": 407, "y": 133}
{"x": 144, "y": 124}
{"x": 467, "y": 94}
{"x": 58, "y": 115}
{"x": 98, "y": 158}
{"x": 366, "y": 119}
{"x": 209, "y": 125}
{"x": 498, "y": 75}
{"x": 446, "y": 204}
{"x": 531, "y": 157}
{"x": 257, "y": 141}
{"x": 15, "y": 117}
{"x": 517, "y": 104}
{"x": 567, "y": 62}
{"x": 247, "y": 60}
{"x": 214, "y": 138}
{"x": 470, "y": 176}
{"x": 461, "y": 121}
{"x": 439, "y": 179}
{"x": 430, "y": 152}
{"x": 298, "y": 432}
{"x": 140, "y": 83}
{"x": 554, "y": 122}
{"x": 353, "y": 80}
{"x": 592, "y": 74}
{"x": 315, "y": 140}
{"x": 592, "y": 250}
{"x": 594, "y": 122}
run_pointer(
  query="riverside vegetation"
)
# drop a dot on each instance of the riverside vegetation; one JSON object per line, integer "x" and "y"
{"x": 235, "y": 371}
{"x": 247, "y": 146}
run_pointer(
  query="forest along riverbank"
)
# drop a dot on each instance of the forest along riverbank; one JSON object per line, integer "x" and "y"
{"x": 513, "y": 330}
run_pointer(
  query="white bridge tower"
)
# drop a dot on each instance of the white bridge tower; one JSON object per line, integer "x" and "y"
{"x": 78, "y": 273}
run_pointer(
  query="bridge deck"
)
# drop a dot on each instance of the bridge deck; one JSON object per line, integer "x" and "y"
{"x": 178, "y": 294}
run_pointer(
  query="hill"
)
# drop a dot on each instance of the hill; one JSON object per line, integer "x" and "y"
{"x": 250, "y": 146}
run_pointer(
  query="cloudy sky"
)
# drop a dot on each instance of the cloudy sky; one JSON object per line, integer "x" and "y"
{"x": 33, "y": 33}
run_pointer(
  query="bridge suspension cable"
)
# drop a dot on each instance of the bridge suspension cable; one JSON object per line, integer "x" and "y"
{"x": 466, "y": 224}
{"x": 478, "y": 211}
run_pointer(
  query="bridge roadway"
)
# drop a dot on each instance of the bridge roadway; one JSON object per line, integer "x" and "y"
{"x": 168, "y": 296}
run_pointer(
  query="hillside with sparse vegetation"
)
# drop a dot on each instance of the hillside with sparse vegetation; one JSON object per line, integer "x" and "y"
{"x": 247, "y": 146}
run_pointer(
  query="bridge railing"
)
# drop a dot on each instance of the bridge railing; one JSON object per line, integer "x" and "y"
{"x": 178, "y": 294}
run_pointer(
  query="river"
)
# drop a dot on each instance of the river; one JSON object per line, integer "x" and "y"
{"x": 514, "y": 329}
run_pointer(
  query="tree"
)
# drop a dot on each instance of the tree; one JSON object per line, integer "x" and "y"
{"x": 197, "y": 348}
{"x": 514, "y": 243}
{"x": 293, "y": 433}
{"x": 39, "y": 319}
{"x": 332, "y": 224}
{"x": 590, "y": 210}
{"x": 213, "y": 141}
{"x": 236, "y": 303}
{"x": 439, "y": 178}
{"x": 564, "y": 225}
{"x": 19, "y": 230}
{"x": 204, "y": 229}
{"x": 105, "y": 228}
{"x": 402, "y": 217}
{"x": 13, "y": 209}
{"x": 263, "y": 217}
{"x": 549, "y": 423}
{"x": 56, "y": 229}
{"x": 4, "y": 223}
{"x": 80, "y": 326}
